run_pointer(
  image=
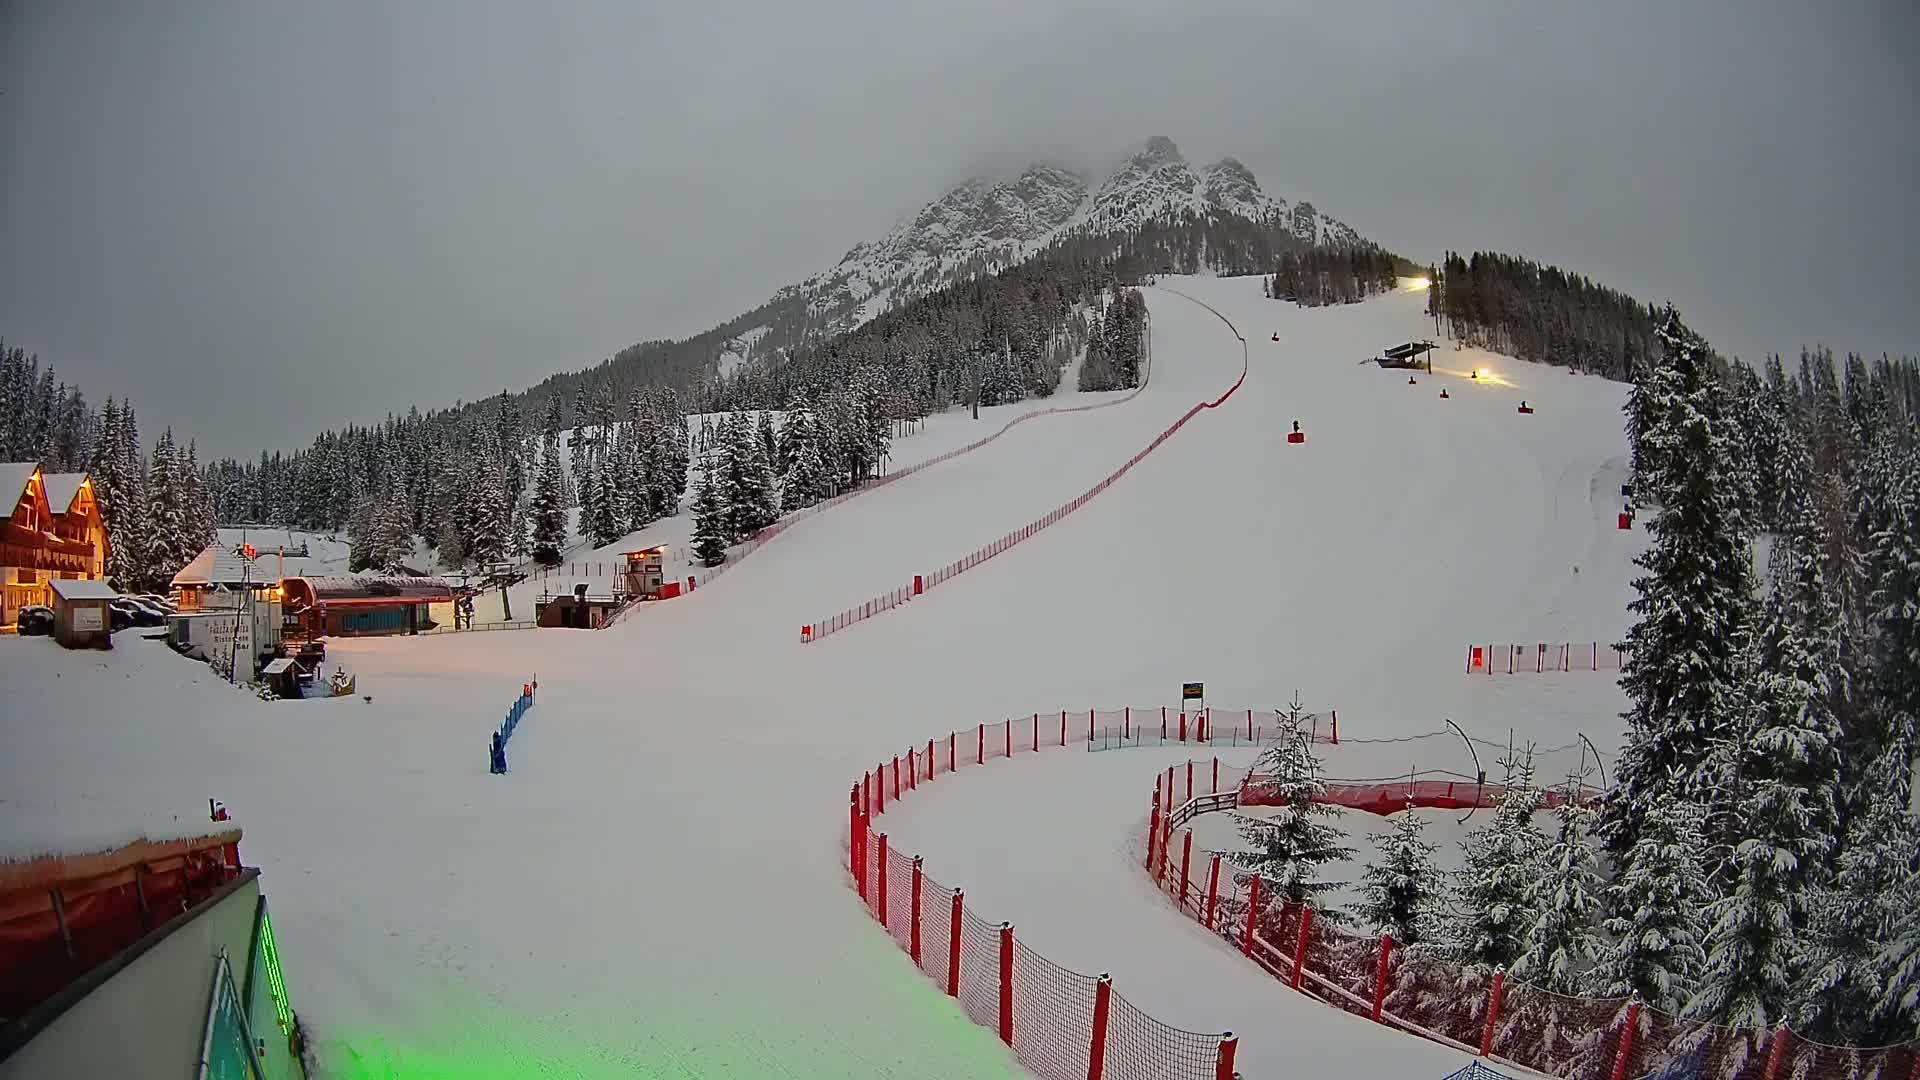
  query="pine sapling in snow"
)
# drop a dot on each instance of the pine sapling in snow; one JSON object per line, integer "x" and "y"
{"x": 1397, "y": 892}
{"x": 1655, "y": 909}
{"x": 1298, "y": 838}
{"x": 1565, "y": 899}
{"x": 1491, "y": 915}
{"x": 1842, "y": 997}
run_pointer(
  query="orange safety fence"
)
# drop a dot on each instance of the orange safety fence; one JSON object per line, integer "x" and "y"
{"x": 1475, "y": 1011}
{"x": 891, "y": 599}
{"x": 1060, "y": 1024}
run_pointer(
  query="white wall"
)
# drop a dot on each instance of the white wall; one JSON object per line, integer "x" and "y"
{"x": 150, "y": 1017}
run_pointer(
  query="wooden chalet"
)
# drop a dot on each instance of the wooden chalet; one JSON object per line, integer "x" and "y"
{"x": 53, "y": 531}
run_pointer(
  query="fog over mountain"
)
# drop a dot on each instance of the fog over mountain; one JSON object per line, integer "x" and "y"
{"x": 261, "y": 222}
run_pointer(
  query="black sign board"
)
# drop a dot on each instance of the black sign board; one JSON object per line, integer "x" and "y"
{"x": 1192, "y": 691}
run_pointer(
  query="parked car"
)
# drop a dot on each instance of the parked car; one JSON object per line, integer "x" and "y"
{"x": 139, "y": 612}
{"x": 34, "y": 619}
{"x": 118, "y": 618}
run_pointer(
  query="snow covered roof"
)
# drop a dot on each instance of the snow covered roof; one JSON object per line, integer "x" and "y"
{"x": 345, "y": 587}
{"x": 13, "y": 481}
{"x": 219, "y": 564}
{"x": 69, "y": 589}
{"x": 61, "y": 488}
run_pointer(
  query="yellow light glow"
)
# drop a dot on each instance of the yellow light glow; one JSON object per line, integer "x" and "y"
{"x": 1416, "y": 284}
{"x": 1482, "y": 373}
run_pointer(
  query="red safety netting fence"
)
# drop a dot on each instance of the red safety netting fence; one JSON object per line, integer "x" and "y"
{"x": 739, "y": 552}
{"x": 1477, "y": 1012}
{"x": 891, "y": 599}
{"x": 1541, "y": 657}
{"x": 1060, "y": 1024}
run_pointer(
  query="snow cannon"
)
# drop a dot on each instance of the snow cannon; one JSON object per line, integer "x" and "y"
{"x": 1296, "y": 436}
{"x": 1276, "y": 335}
{"x": 1411, "y": 381}
{"x": 1443, "y": 393}
{"x": 1525, "y": 409}
{"x": 806, "y": 633}
{"x": 1626, "y": 521}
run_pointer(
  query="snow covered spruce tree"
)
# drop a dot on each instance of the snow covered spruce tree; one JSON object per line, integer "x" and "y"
{"x": 1565, "y": 899}
{"x": 709, "y": 519}
{"x": 1842, "y": 994}
{"x": 1397, "y": 891}
{"x": 1490, "y": 914}
{"x": 1680, "y": 672}
{"x": 1655, "y": 922}
{"x": 1292, "y": 844}
{"x": 1891, "y": 645}
{"x": 549, "y": 514}
{"x": 1753, "y": 935}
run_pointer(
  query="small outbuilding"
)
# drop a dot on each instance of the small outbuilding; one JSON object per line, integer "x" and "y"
{"x": 362, "y": 605}
{"x": 81, "y": 619}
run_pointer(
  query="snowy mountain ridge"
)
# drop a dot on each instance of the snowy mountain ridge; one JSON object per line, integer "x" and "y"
{"x": 985, "y": 224}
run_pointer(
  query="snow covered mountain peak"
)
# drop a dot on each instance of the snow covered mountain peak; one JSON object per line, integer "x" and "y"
{"x": 989, "y": 222}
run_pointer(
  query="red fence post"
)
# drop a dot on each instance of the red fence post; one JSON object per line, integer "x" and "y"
{"x": 1126, "y": 723}
{"x": 932, "y": 767}
{"x": 1336, "y": 726}
{"x": 856, "y": 853}
{"x": 866, "y": 791}
{"x": 1495, "y": 994}
{"x": 953, "y": 762}
{"x": 896, "y": 778}
{"x": 880, "y": 786}
{"x": 1253, "y": 914}
{"x": 1006, "y": 983}
{"x": 1300, "y": 945}
{"x": 1777, "y": 1053}
{"x": 1153, "y": 826}
{"x": 1627, "y": 1031}
{"x": 882, "y": 903}
{"x": 913, "y": 771}
{"x": 1063, "y": 727}
{"x": 1183, "y": 725}
{"x": 1009, "y": 734}
{"x": 1380, "y": 976}
{"x": 1097, "y": 1051}
{"x": 982, "y": 756}
{"x": 1163, "y": 723}
{"x": 915, "y": 950}
{"x": 1036, "y": 732}
{"x": 1213, "y": 889}
{"x": 953, "y": 947}
{"x": 1189, "y": 780}
{"x": 1186, "y": 862}
{"x": 1223, "y": 1064}
{"x": 1216, "y": 777}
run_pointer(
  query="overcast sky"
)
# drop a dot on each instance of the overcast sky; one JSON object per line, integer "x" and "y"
{"x": 262, "y": 220}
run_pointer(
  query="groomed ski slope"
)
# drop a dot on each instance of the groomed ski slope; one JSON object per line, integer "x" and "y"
{"x": 656, "y": 887}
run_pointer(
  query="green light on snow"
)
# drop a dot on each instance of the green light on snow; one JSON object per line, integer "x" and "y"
{"x": 282, "y": 1008}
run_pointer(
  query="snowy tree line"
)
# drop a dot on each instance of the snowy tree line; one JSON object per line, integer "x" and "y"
{"x": 1757, "y": 859}
{"x": 1116, "y": 343}
{"x": 1320, "y": 276}
{"x": 996, "y": 338}
{"x": 1542, "y": 314}
{"x": 157, "y": 506}
{"x": 757, "y": 471}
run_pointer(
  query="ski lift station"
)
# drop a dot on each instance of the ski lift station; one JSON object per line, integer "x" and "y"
{"x": 1408, "y": 355}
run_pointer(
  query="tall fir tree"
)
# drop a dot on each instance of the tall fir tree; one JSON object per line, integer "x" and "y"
{"x": 709, "y": 520}
{"x": 1683, "y": 651}
{"x": 549, "y": 516}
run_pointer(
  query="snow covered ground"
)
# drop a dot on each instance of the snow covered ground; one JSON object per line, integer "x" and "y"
{"x": 656, "y": 888}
